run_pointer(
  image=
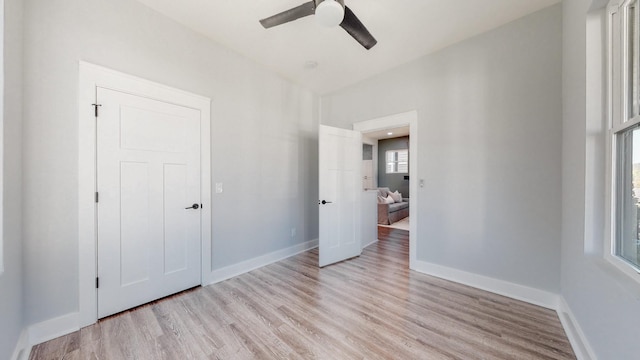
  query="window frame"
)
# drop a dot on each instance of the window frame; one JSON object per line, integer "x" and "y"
{"x": 387, "y": 162}
{"x": 619, "y": 119}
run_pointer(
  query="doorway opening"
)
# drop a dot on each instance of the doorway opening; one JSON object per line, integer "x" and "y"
{"x": 388, "y": 172}
{"x": 397, "y": 160}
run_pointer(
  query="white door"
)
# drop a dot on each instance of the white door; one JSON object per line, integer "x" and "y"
{"x": 148, "y": 156}
{"x": 340, "y": 182}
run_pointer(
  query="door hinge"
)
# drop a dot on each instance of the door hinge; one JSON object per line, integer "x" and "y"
{"x": 95, "y": 108}
{"x": 97, "y": 282}
{"x": 97, "y": 197}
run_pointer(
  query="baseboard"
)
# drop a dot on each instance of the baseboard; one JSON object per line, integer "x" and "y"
{"x": 371, "y": 243}
{"x": 66, "y": 324}
{"x": 53, "y": 328}
{"x": 576, "y": 336}
{"x": 515, "y": 291}
{"x": 260, "y": 261}
{"x": 578, "y": 340}
{"x": 23, "y": 349}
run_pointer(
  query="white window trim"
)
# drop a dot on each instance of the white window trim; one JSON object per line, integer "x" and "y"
{"x": 386, "y": 162}
{"x": 617, "y": 113}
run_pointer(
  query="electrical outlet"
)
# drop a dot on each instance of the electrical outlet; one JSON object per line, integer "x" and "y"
{"x": 293, "y": 232}
{"x": 218, "y": 188}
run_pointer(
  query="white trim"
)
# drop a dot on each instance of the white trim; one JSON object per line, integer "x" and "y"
{"x": 618, "y": 121}
{"x": 53, "y": 328}
{"x": 248, "y": 265}
{"x": 501, "y": 287}
{"x": 23, "y": 348}
{"x": 389, "y": 122}
{"x": 66, "y": 324}
{"x": 576, "y": 336}
{"x": 581, "y": 347}
{"x": 371, "y": 243}
{"x": 628, "y": 124}
{"x": 93, "y": 76}
{"x": 60, "y": 326}
{"x": 610, "y": 161}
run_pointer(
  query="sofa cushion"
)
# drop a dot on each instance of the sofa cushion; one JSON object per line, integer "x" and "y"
{"x": 398, "y": 206}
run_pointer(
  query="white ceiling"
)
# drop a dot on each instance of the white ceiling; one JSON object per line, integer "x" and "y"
{"x": 384, "y": 134}
{"x": 405, "y": 30}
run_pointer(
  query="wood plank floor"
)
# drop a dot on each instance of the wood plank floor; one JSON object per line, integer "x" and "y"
{"x": 371, "y": 307}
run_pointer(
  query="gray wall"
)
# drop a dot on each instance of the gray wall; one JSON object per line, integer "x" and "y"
{"x": 11, "y": 281}
{"x": 605, "y": 302}
{"x": 264, "y": 137}
{"x": 392, "y": 181}
{"x": 489, "y": 126}
{"x": 499, "y": 137}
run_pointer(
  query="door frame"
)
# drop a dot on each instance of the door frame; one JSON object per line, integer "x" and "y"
{"x": 90, "y": 78}
{"x": 393, "y": 121}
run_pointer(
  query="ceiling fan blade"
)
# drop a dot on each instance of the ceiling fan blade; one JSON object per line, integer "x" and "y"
{"x": 295, "y": 13}
{"x": 354, "y": 27}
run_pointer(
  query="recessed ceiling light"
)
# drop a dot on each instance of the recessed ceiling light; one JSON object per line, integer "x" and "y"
{"x": 389, "y": 133}
{"x": 310, "y": 65}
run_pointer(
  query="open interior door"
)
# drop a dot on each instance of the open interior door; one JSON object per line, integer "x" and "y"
{"x": 340, "y": 182}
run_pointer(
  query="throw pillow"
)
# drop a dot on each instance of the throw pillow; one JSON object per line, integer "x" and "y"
{"x": 383, "y": 191}
{"x": 397, "y": 197}
{"x": 389, "y": 199}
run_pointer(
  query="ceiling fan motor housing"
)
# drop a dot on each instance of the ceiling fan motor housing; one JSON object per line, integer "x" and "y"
{"x": 329, "y": 13}
{"x": 321, "y": 1}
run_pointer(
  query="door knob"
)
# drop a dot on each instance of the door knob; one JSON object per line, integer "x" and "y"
{"x": 194, "y": 206}
{"x": 323, "y": 202}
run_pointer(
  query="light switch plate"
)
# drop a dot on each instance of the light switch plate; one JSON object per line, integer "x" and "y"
{"x": 218, "y": 188}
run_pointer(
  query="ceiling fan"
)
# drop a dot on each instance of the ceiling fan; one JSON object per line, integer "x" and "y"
{"x": 328, "y": 13}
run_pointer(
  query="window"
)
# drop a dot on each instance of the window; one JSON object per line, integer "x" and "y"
{"x": 628, "y": 192}
{"x": 397, "y": 161}
{"x": 623, "y": 240}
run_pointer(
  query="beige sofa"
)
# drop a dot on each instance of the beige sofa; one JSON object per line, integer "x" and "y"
{"x": 390, "y": 213}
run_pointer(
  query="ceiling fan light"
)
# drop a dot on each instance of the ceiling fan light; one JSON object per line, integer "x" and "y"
{"x": 329, "y": 13}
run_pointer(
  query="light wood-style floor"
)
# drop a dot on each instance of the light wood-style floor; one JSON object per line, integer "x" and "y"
{"x": 371, "y": 307}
